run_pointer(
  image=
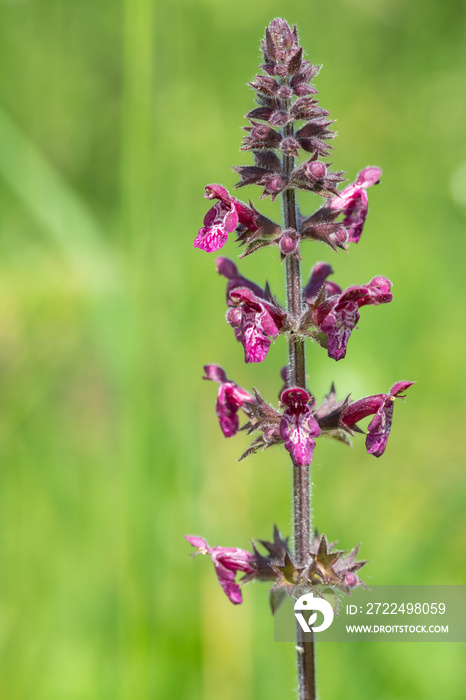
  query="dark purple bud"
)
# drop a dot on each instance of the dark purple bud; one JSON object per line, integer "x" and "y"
{"x": 302, "y": 89}
{"x": 290, "y": 146}
{"x": 307, "y": 108}
{"x": 265, "y": 84}
{"x": 274, "y": 185}
{"x": 260, "y": 136}
{"x": 284, "y": 93}
{"x": 263, "y": 113}
{"x": 307, "y": 73}
{"x": 316, "y": 170}
{"x": 289, "y": 243}
{"x": 281, "y": 71}
{"x": 281, "y": 39}
{"x": 294, "y": 65}
{"x": 279, "y": 118}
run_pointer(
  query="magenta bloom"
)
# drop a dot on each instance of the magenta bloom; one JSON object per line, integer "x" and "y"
{"x": 353, "y": 202}
{"x": 218, "y": 223}
{"x": 230, "y": 399}
{"x": 252, "y": 313}
{"x": 338, "y": 313}
{"x": 256, "y": 321}
{"x": 222, "y": 219}
{"x": 227, "y": 561}
{"x": 298, "y": 427}
{"x": 381, "y": 407}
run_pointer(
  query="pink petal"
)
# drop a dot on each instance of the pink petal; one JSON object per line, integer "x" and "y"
{"x": 378, "y": 429}
{"x": 256, "y": 344}
{"x": 338, "y": 325}
{"x": 210, "y": 239}
{"x": 298, "y": 427}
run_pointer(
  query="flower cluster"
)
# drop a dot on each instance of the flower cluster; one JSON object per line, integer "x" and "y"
{"x": 298, "y": 421}
{"x": 329, "y": 314}
{"x": 326, "y": 566}
{"x": 255, "y": 230}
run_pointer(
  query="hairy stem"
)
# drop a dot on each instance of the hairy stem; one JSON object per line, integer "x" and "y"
{"x": 301, "y": 489}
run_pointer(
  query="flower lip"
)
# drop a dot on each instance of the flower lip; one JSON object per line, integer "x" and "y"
{"x": 219, "y": 221}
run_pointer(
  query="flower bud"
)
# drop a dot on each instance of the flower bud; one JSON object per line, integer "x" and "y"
{"x": 316, "y": 170}
{"x": 274, "y": 184}
{"x": 290, "y": 146}
{"x": 351, "y": 579}
{"x": 284, "y": 93}
{"x": 288, "y": 242}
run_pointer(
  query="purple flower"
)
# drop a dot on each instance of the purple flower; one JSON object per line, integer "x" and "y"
{"x": 336, "y": 313}
{"x": 227, "y": 561}
{"x": 298, "y": 427}
{"x": 230, "y": 399}
{"x": 353, "y": 202}
{"x": 256, "y": 321}
{"x": 222, "y": 219}
{"x": 381, "y": 407}
{"x": 253, "y": 314}
{"x": 218, "y": 223}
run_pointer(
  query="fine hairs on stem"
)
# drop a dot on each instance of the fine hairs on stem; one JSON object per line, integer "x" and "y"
{"x": 288, "y": 135}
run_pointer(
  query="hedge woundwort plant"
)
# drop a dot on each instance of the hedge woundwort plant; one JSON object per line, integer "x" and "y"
{"x": 287, "y": 122}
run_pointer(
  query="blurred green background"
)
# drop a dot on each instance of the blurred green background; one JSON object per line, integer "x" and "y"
{"x": 113, "y": 117}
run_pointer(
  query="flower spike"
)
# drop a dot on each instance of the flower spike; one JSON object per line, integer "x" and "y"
{"x": 289, "y": 136}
